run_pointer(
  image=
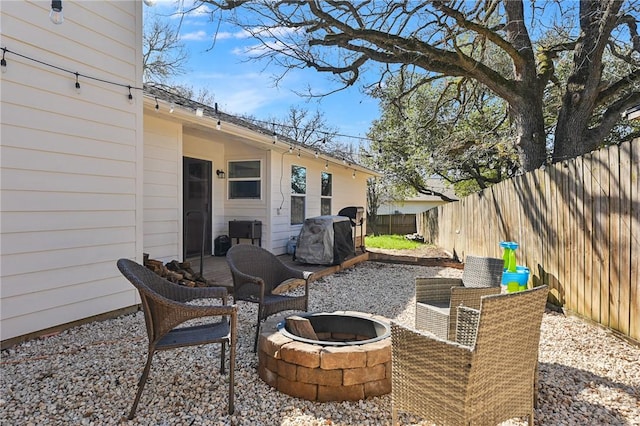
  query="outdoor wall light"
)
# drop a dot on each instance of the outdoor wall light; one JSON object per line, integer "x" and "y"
{"x": 199, "y": 112}
{"x": 220, "y": 174}
{"x": 56, "y": 12}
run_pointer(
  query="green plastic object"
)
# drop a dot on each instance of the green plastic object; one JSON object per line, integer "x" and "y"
{"x": 509, "y": 255}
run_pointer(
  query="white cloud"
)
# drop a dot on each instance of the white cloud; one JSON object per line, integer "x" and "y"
{"x": 195, "y": 36}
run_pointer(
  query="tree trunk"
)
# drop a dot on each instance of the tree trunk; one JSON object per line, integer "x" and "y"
{"x": 529, "y": 131}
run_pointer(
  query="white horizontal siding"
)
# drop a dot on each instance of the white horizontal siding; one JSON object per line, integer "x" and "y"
{"x": 162, "y": 188}
{"x": 70, "y": 163}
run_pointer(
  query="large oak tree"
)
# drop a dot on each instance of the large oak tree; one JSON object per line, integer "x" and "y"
{"x": 462, "y": 39}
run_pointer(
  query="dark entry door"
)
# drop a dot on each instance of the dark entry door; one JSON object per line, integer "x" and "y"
{"x": 197, "y": 206}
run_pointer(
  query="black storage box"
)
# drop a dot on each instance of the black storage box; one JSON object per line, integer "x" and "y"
{"x": 221, "y": 245}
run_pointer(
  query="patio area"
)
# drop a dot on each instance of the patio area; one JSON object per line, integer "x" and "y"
{"x": 88, "y": 374}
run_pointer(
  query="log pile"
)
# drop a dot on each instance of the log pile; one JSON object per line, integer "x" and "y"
{"x": 177, "y": 272}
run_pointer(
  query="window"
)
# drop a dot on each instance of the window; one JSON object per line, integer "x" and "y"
{"x": 325, "y": 199}
{"x": 298, "y": 194}
{"x": 244, "y": 180}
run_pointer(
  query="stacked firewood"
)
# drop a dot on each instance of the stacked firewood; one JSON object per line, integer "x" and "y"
{"x": 177, "y": 272}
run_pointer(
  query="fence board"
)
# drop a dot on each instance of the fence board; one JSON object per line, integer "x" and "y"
{"x": 614, "y": 258}
{"x": 588, "y": 235}
{"x": 625, "y": 236}
{"x": 634, "y": 308}
{"x": 596, "y": 236}
{"x": 605, "y": 215}
{"x": 579, "y": 232}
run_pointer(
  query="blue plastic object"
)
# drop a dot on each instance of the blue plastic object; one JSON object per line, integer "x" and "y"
{"x": 516, "y": 281}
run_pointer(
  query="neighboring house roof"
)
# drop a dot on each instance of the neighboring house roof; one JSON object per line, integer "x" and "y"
{"x": 633, "y": 113}
{"x": 157, "y": 93}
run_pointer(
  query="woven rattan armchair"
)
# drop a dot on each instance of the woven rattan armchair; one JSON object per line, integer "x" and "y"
{"x": 488, "y": 380}
{"x": 436, "y": 297}
{"x": 260, "y": 277}
{"x": 165, "y": 308}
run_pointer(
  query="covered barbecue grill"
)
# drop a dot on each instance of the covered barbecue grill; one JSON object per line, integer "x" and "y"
{"x": 356, "y": 217}
{"x": 324, "y": 240}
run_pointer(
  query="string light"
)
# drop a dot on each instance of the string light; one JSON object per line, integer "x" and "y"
{"x": 77, "y": 84}
{"x": 200, "y": 111}
{"x": 56, "y": 12}
{"x": 3, "y": 62}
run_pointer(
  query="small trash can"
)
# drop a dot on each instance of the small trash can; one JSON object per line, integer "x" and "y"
{"x": 221, "y": 244}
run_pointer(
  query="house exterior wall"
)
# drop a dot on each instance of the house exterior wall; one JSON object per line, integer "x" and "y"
{"x": 70, "y": 164}
{"x": 346, "y": 191}
{"x": 162, "y": 188}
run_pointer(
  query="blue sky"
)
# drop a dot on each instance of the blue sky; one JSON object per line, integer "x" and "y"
{"x": 241, "y": 86}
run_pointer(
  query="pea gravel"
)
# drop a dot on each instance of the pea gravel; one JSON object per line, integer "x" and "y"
{"x": 87, "y": 375}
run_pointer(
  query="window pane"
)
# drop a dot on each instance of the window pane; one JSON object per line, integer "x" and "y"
{"x": 244, "y": 169}
{"x": 325, "y": 206}
{"x": 244, "y": 189}
{"x": 326, "y": 184}
{"x": 297, "y": 210}
{"x": 298, "y": 180}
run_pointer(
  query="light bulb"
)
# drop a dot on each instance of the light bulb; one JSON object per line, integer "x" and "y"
{"x": 353, "y": 176}
{"x": 56, "y": 15}
{"x": 3, "y": 62}
{"x": 219, "y": 125}
{"x": 157, "y": 106}
{"x": 326, "y": 165}
{"x": 171, "y": 107}
{"x": 316, "y": 154}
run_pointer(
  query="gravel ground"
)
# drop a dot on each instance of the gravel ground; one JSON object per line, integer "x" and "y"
{"x": 88, "y": 374}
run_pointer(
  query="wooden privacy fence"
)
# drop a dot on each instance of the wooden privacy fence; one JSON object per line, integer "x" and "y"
{"x": 577, "y": 224}
{"x": 394, "y": 224}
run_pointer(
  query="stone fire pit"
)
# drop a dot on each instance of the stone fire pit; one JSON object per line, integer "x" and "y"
{"x": 351, "y": 359}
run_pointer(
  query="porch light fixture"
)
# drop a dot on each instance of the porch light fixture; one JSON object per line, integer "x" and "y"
{"x": 130, "y": 96}
{"x": 56, "y": 12}
{"x": 220, "y": 174}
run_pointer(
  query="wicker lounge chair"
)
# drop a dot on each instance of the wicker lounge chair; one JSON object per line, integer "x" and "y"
{"x": 165, "y": 308}
{"x": 259, "y": 277}
{"x": 487, "y": 380}
{"x": 435, "y": 297}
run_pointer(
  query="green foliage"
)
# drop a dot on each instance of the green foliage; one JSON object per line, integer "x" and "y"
{"x": 433, "y": 131}
{"x": 395, "y": 242}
